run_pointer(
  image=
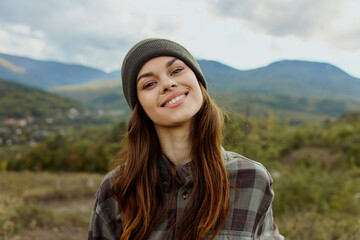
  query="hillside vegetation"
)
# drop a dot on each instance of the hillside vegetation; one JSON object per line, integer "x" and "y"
{"x": 17, "y": 100}
{"x": 290, "y": 108}
{"x": 104, "y": 94}
{"x": 29, "y": 115}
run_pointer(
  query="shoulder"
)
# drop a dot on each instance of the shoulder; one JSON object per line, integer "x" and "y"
{"x": 251, "y": 192}
{"x": 105, "y": 219}
{"x": 246, "y": 173}
{"x": 235, "y": 162}
{"x": 106, "y": 205}
{"x": 104, "y": 192}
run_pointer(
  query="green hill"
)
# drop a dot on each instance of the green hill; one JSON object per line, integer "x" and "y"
{"x": 103, "y": 94}
{"x": 19, "y": 101}
{"x": 291, "y": 108}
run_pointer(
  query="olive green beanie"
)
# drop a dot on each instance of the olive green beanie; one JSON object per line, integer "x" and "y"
{"x": 145, "y": 50}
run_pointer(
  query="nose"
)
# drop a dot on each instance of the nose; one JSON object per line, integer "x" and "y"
{"x": 168, "y": 84}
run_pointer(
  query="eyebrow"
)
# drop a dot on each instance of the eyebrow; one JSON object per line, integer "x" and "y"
{"x": 169, "y": 63}
{"x": 149, "y": 74}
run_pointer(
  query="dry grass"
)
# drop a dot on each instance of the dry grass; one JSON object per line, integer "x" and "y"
{"x": 56, "y": 205}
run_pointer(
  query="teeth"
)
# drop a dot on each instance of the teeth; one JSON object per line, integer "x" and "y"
{"x": 174, "y": 100}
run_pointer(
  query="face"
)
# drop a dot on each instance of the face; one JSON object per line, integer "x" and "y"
{"x": 168, "y": 91}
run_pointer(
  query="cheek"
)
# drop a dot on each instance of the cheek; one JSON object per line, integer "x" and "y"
{"x": 142, "y": 101}
{"x": 199, "y": 94}
{"x": 141, "y": 97}
{"x": 147, "y": 102}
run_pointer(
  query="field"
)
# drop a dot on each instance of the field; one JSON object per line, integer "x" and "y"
{"x": 316, "y": 172}
{"x": 41, "y": 205}
{"x": 57, "y": 206}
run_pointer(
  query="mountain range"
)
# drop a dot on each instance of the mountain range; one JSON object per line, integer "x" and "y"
{"x": 288, "y": 86}
{"x": 287, "y": 77}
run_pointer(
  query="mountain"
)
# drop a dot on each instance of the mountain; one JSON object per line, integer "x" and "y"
{"x": 46, "y": 74}
{"x": 288, "y": 77}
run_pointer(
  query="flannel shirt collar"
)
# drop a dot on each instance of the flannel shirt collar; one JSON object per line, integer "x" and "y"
{"x": 184, "y": 173}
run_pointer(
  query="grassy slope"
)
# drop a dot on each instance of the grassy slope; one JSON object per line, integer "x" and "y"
{"x": 17, "y": 100}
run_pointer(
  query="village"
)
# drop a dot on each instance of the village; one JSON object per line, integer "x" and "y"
{"x": 27, "y": 131}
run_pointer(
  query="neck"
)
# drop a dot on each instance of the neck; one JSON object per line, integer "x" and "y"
{"x": 175, "y": 143}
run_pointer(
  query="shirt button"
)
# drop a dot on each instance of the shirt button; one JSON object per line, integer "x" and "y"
{"x": 185, "y": 195}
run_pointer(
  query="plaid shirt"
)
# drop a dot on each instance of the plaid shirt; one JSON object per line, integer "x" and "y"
{"x": 250, "y": 215}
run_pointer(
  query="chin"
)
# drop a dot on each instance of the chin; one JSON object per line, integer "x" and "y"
{"x": 172, "y": 122}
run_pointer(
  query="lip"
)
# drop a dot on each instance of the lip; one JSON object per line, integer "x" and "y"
{"x": 172, "y": 96}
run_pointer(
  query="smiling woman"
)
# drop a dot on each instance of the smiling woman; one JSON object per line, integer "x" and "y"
{"x": 174, "y": 180}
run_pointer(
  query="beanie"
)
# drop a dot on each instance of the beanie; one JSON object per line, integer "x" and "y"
{"x": 145, "y": 50}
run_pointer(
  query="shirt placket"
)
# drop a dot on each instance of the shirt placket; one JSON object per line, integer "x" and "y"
{"x": 184, "y": 190}
{"x": 182, "y": 199}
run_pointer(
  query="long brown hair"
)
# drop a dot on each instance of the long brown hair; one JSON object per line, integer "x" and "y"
{"x": 138, "y": 188}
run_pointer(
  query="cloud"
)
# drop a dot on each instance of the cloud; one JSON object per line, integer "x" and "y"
{"x": 282, "y": 17}
{"x": 90, "y": 32}
{"x": 305, "y": 19}
{"x": 242, "y": 33}
{"x": 87, "y": 32}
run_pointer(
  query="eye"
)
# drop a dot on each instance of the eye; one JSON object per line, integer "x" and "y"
{"x": 177, "y": 70}
{"x": 149, "y": 85}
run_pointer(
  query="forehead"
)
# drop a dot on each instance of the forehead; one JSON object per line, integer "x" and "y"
{"x": 158, "y": 62}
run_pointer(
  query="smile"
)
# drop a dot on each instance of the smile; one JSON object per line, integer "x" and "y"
{"x": 174, "y": 100}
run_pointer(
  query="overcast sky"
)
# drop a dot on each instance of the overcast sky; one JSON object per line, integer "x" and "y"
{"x": 244, "y": 34}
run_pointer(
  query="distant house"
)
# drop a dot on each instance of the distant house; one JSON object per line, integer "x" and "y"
{"x": 10, "y": 121}
{"x": 21, "y": 122}
{"x": 16, "y": 122}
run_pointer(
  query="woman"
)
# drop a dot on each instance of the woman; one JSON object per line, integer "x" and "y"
{"x": 175, "y": 181}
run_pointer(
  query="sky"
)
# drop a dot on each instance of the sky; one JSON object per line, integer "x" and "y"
{"x": 243, "y": 34}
